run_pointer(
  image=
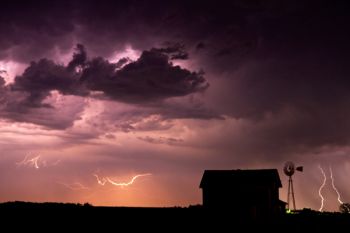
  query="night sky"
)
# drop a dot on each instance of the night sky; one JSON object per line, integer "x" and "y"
{"x": 94, "y": 93}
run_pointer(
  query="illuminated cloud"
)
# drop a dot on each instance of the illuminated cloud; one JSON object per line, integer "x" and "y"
{"x": 125, "y": 87}
{"x": 152, "y": 77}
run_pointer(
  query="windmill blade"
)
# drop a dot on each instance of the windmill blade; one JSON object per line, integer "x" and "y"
{"x": 289, "y": 168}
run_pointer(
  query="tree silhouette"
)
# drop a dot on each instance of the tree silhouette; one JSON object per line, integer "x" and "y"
{"x": 345, "y": 208}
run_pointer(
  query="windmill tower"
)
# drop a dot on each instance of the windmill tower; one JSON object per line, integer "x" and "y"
{"x": 289, "y": 169}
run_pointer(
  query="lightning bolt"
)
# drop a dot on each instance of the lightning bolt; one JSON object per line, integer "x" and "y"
{"x": 36, "y": 162}
{"x": 323, "y": 184}
{"x": 128, "y": 183}
{"x": 30, "y": 162}
{"x": 99, "y": 181}
{"x": 23, "y": 162}
{"x": 74, "y": 186}
{"x": 335, "y": 189}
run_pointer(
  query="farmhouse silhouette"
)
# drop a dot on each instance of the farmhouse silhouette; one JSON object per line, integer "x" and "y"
{"x": 245, "y": 193}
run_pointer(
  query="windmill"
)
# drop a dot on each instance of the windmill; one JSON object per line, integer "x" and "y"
{"x": 289, "y": 169}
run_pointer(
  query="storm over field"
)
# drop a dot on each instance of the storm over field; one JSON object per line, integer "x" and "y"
{"x": 127, "y": 103}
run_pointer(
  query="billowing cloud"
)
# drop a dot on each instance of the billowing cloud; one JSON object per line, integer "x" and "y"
{"x": 152, "y": 77}
{"x": 134, "y": 98}
{"x": 42, "y": 77}
{"x": 58, "y": 112}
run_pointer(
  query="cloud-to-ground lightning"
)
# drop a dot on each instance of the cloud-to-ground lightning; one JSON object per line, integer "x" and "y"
{"x": 74, "y": 186}
{"x": 333, "y": 185}
{"x": 123, "y": 184}
{"x": 320, "y": 189}
{"x": 33, "y": 162}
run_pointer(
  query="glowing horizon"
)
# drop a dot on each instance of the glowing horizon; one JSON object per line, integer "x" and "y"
{"x": 94, "y": 102}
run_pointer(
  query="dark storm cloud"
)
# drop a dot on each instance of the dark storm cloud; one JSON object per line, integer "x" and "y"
{"x": 37, "y": 28}
{"x": 294, "y": 88}
{"x": 44, "y": 76}
{"x": 24, "y": 102}
{"x": 123, "y": 61}
{"x": 275, "y": 56}
{"x": 174, "y": 50}
{"x": 2, "y": 91}
{"x": 14, "y": 107}
{"x": 34, "y": 29}
{"x": 224, "y": 29}
{"x": 79, "y": 58}
{"x": 150, "y": 78}
{"x": 2, "y": 82}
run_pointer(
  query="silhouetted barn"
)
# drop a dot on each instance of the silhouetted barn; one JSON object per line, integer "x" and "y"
{"x": 248, "y": 193}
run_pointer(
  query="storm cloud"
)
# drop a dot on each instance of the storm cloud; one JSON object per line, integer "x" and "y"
{"x": 152, "y": 77}
{"x": 134, "y": 76}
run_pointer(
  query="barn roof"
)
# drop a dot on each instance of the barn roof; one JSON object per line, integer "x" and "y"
{"x": 240, "y": 177}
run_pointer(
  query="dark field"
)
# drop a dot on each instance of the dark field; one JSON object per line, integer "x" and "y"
{"x": 38, "y": 216}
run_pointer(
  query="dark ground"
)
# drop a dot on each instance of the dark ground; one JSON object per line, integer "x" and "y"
{"x": 59, "y": 216}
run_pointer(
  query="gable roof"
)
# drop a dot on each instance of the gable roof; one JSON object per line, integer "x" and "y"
{"x": 240, "y": 177}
